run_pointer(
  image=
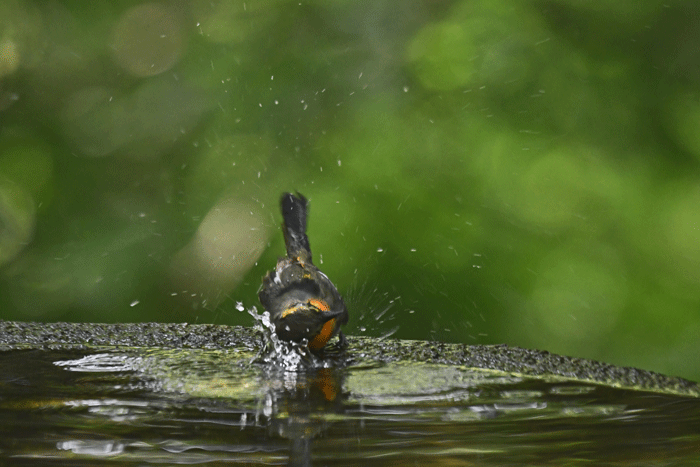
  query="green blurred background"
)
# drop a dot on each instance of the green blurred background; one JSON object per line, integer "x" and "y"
{"x": 481, "y": 171}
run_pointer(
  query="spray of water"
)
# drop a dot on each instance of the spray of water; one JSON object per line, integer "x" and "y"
{"x": 278, "y": 354}
{"x": 374, "y": 309}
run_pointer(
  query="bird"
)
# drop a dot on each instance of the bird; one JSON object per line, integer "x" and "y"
{"x": 302, "y": 301}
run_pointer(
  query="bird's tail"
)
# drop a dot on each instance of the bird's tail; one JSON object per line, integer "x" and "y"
{"x": 294, "y": 213}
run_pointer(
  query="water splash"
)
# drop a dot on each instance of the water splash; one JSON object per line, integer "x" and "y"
{"x": 375, "y": 309}
{"x": 281, "y": 355}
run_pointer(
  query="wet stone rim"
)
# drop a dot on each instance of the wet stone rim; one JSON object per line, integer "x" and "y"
{"x": 502, "y": 358}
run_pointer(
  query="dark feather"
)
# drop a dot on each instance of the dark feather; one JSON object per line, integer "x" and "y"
{"x": 294, "y": 213}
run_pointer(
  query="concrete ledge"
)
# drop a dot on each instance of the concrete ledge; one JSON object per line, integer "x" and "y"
{"x": 501, "y": 358}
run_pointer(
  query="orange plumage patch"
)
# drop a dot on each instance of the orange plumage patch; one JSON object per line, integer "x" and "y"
{"x": 324, "y": 336}
{"x": 320, "y": 304}
{"x": 289, "y": 311}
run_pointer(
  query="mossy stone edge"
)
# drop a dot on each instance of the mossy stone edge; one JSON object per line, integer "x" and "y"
{"x": 502, "y": 358}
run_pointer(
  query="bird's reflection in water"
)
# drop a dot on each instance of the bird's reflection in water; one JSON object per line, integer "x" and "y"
{"x": 298, "y": 405}
{"x": 302, "y": 388}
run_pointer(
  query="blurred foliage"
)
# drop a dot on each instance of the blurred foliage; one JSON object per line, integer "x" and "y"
{"x": 479, "y": 171}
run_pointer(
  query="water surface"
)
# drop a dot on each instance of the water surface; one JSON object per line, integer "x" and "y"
{"x": 142, "y": 406}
